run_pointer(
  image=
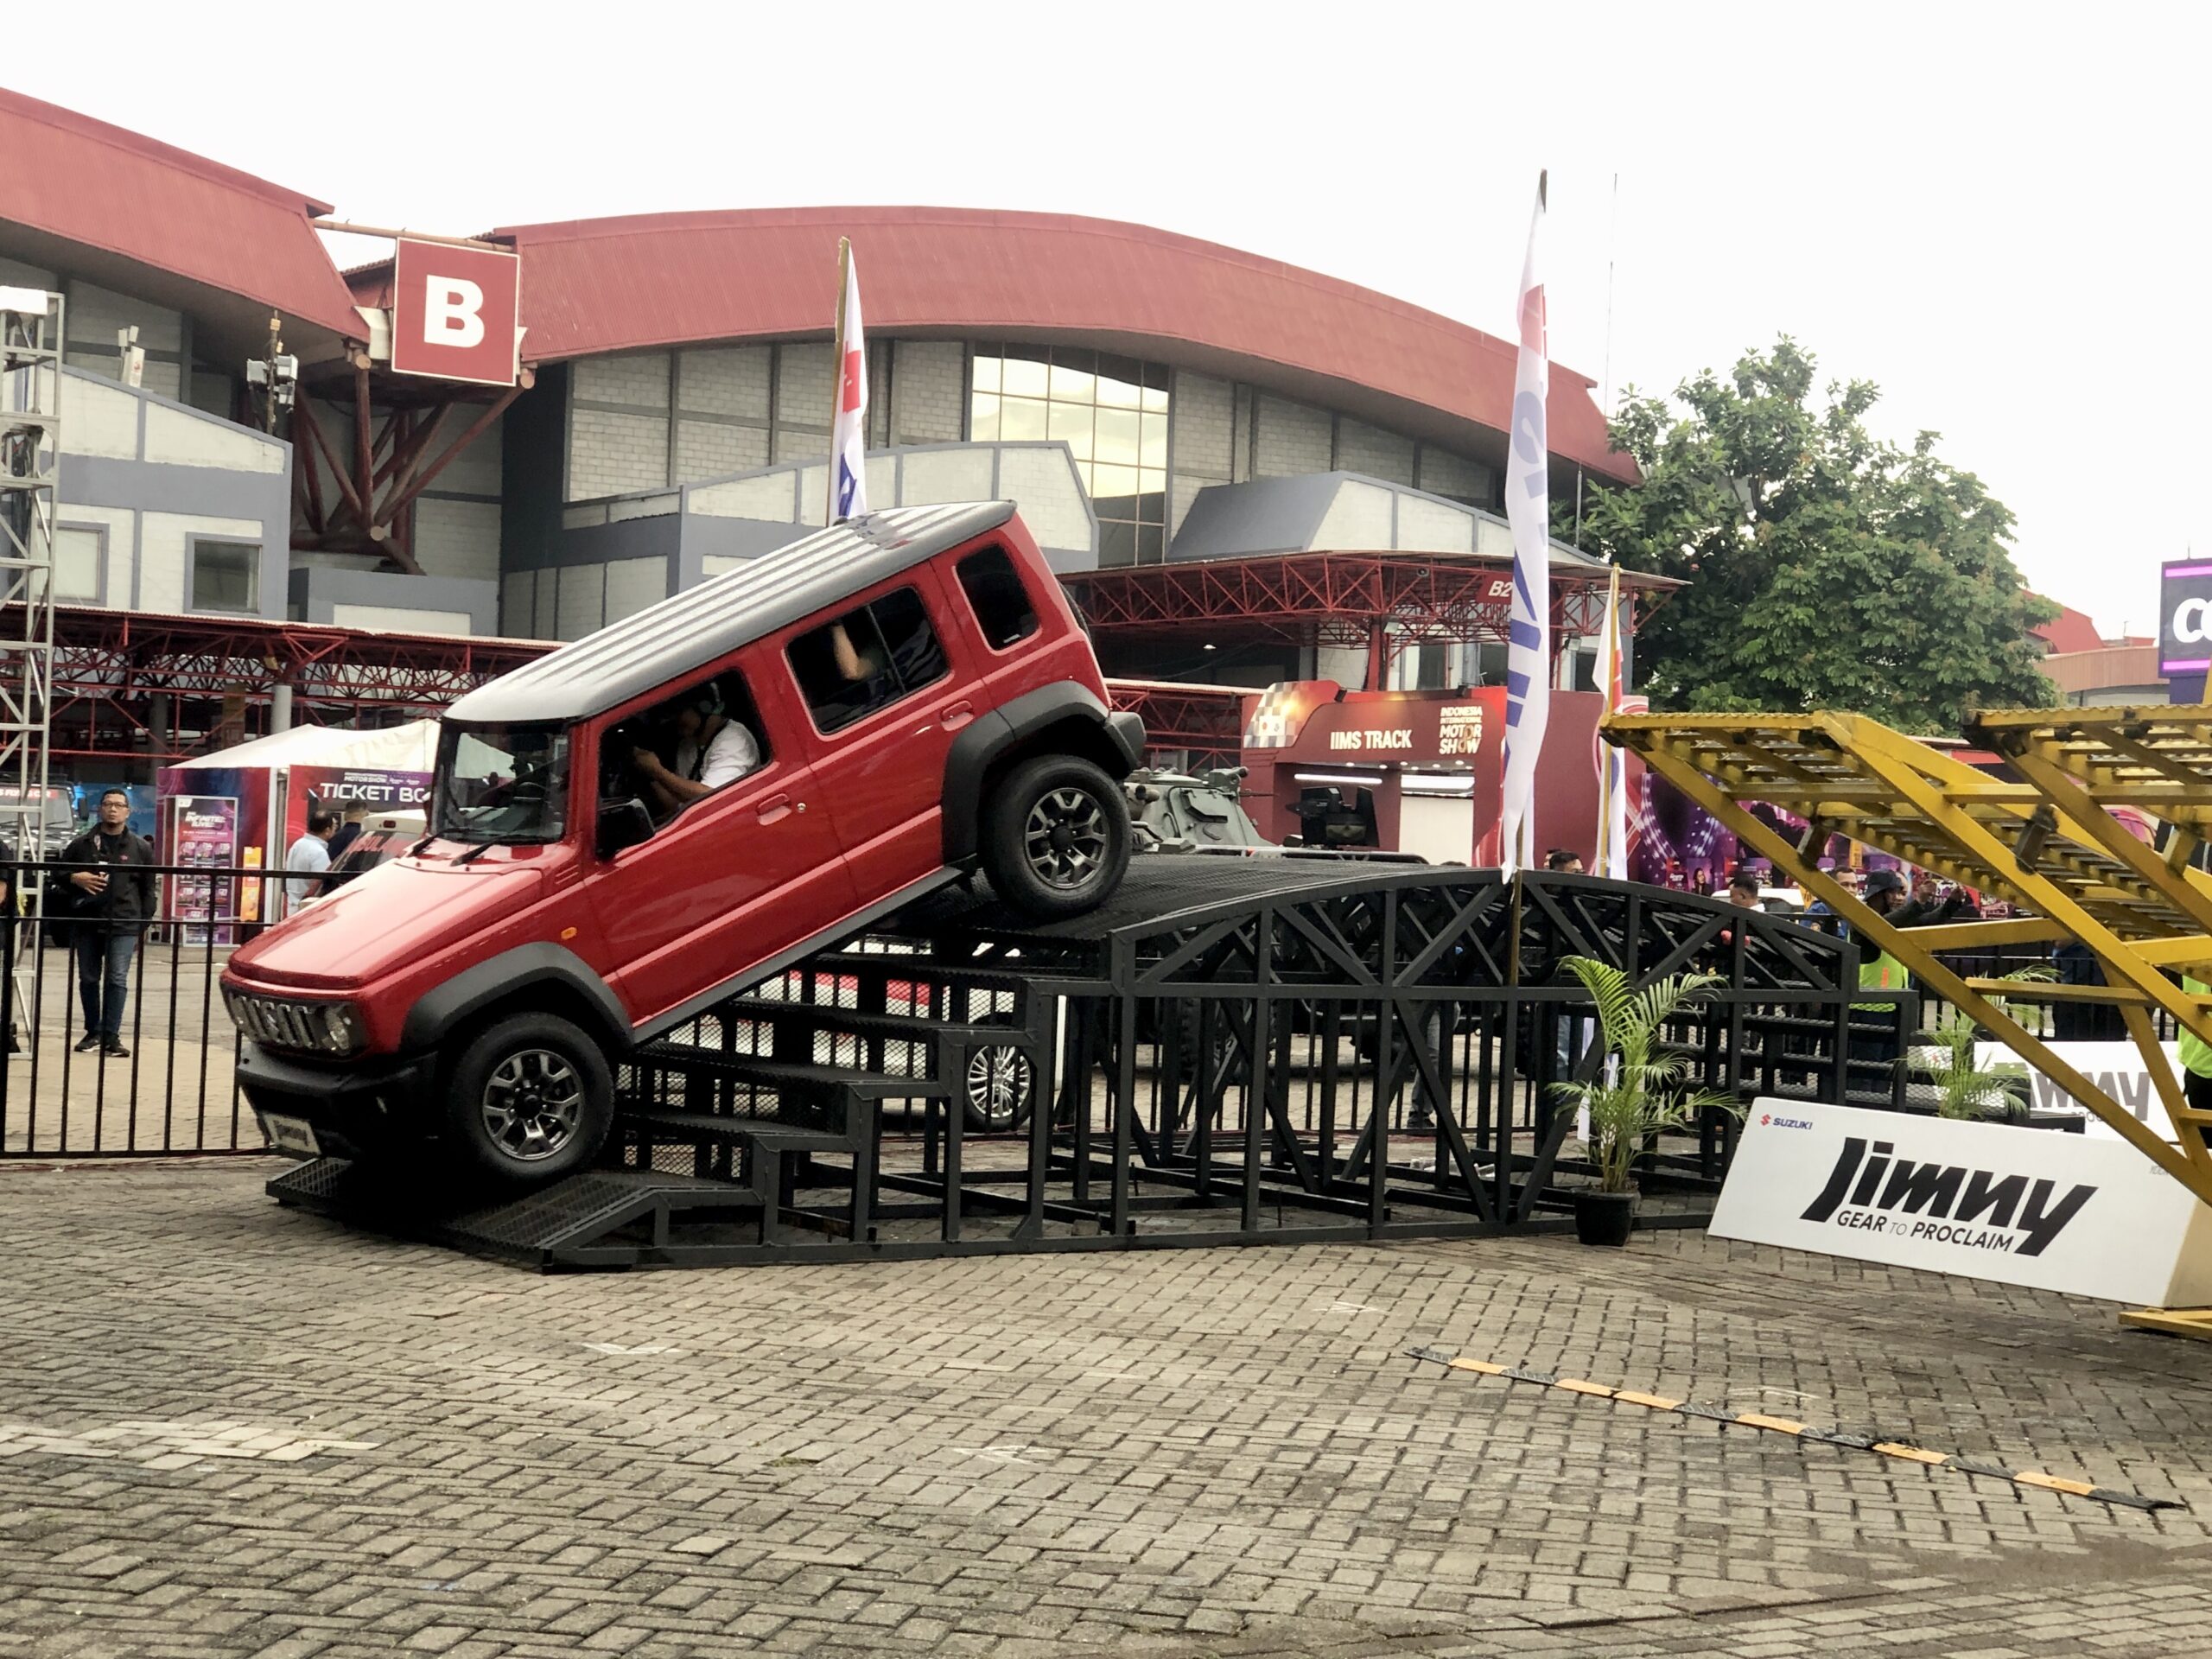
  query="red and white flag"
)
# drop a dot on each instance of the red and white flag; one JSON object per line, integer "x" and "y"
{"x": 849, "y": 423}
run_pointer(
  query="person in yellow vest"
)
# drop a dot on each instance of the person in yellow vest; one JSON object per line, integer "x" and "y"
{"x": 1878, "y": 968}
{"x": 2195, "y": 1055}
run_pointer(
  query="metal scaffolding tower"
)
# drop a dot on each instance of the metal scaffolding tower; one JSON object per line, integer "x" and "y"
{"x": 30, "y": 460}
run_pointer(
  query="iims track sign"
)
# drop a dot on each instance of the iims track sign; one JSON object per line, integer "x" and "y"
{"x": 2037, "y": 1207}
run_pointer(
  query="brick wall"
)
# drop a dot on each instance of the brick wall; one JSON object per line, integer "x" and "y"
{"x": 1369, "y": 449}
{"x": 611, "y": 453}
{"x": 638, "y": 380}
{"x": 1291, "y": 439}
{"x": 929, "y": 392}
{"x": 1202, "y": 441}
{"x": 1443, "y": 472}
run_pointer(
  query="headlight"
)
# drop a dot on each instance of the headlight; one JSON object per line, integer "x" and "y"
{"x": 318, "y": 1027}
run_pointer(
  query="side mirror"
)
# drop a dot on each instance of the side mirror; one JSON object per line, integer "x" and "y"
{"x": 1294, "y": 841}
{"x": 623, "y": 824}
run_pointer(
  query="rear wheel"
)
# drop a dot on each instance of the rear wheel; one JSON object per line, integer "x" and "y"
{"x": 1055, "y": 836}
{"x": 531, "y": 1100}
{"x": 1000, "y": 1087}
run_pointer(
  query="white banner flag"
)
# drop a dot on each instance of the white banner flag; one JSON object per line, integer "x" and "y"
{"x": 849, "y": 424}
{"x": 1528, "y": 507}
{"x": 1612, "y": 762}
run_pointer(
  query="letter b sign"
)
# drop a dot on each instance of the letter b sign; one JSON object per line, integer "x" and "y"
{"x": 454, "y": 313}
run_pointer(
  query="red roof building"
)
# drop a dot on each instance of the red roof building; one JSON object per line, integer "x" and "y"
{"x": 1146, "y": 397}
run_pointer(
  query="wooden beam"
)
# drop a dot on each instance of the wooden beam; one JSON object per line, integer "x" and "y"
{"x": 330, "y": 454}
{"x": 365, "y": 488}
{"x": 475, "y": 430}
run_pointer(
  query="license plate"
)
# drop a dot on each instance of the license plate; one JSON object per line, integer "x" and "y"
{"x": 292, "y": 1135}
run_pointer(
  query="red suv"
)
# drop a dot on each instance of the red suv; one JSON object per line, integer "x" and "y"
{"x": 645, "y": 822}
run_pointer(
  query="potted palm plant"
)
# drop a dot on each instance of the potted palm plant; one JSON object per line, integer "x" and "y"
{"x": 1964, "y": 1088}
{"x": 1640, "y": 1090}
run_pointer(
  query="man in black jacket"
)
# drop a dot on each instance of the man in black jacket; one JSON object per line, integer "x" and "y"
{"x": 112, "y": 873}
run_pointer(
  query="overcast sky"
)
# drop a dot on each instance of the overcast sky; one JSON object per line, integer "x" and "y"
{"x": 1999, "y": 222}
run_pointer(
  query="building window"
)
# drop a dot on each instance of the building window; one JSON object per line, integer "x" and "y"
{"x": 1111, "y": 412}
{"x": 77, "y": 562}
{"x": 226, "y": 576}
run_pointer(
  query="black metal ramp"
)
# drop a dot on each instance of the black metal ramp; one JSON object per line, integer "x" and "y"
{"x": 571, "y": 1224}
{"x": 1230, "y": 1051}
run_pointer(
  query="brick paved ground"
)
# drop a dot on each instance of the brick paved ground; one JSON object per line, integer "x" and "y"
{"x": 225, "y": 1428}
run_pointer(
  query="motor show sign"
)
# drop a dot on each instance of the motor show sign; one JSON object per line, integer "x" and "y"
{"x": 454, "y": 311}
{"x": 2036, "y": 1207}
{"x": 2185, "y": 617}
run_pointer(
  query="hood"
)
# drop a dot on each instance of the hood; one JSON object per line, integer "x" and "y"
{"x": 397, "y": 913}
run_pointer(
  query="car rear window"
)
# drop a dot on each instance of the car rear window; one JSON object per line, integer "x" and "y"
{"x": 996, "y": 594}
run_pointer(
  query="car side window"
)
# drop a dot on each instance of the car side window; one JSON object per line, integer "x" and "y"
{"x": 996, "y": 594}
{"x": 705, "y": 737}
{"x": 868, "y": 659}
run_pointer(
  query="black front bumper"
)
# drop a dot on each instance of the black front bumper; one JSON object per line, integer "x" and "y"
{"x": 356, "y": 1107}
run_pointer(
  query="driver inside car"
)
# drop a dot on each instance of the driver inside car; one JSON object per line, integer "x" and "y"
{"x": 711, "y": 750}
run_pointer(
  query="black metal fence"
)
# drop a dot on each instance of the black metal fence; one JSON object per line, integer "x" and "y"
{"x": 167, "y": 1083}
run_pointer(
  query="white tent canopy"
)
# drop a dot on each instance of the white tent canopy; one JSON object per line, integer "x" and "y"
{"x": 412, "y": 747}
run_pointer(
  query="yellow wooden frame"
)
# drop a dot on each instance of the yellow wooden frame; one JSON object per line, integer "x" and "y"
{"x": 2048, "y": 841}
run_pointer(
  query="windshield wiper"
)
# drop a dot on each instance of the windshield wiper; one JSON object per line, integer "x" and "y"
{"x": 477, "y": 849}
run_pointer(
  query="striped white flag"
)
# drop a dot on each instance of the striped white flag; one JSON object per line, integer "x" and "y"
{"x": 1612, "y": 761}
{"x": 849, "y": 421}
{"x": 1528, "y": 507}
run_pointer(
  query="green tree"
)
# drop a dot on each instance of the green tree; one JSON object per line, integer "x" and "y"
{"x": 1828, "y": 570}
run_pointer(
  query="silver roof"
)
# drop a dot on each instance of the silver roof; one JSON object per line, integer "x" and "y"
{"x": 659, "y": 646}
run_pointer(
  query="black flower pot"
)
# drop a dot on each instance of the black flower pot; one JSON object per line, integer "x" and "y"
{"x": 1603, "y": 1217}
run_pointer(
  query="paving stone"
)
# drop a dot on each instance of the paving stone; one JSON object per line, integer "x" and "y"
{"x": 232, "y": 1429}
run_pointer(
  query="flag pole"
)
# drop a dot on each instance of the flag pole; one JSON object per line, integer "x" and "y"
{"x": 836, "y": 378}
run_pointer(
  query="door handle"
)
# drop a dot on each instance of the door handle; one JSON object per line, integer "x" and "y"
{"x": 775, "y": 807}
{"x": 957, "y": 714}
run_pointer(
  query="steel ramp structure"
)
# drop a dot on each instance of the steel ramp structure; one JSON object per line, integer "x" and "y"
{"x": 2048, "y": 841}
{"x": 1233, "y": 1050}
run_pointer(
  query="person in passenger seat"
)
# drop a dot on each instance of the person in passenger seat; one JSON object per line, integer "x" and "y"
{"x": 711, "y": 750}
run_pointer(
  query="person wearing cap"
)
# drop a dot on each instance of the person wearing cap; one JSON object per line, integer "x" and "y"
{"x": 1885, "y": 897}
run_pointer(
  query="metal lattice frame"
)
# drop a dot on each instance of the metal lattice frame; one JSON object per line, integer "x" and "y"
{"x": 1342, "y": 599}
{"x": 2050, "y": 843}
{"x": 30, "y": 457}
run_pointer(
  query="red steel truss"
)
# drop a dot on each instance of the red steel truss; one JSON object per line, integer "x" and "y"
{"x": 1344, "y": 599}
{"x": 1205, "y": 721}
{"x": 131, "y": 684}
{"x": 112, "y": 671}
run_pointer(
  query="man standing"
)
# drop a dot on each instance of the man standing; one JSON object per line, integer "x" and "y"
{"x": 112, "y": 870}
{"x": 1560, "y": 862}
{"x": 349, "y": 831}
{"x": 308, "y": 858}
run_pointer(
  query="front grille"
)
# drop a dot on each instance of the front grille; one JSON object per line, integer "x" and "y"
{"x": 280, "y": 1024}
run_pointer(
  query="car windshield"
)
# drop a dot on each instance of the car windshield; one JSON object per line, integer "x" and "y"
{"x": 500, "y": 783}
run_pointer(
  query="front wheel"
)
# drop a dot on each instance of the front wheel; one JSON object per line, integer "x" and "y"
{"x": 531, "y": 1099}
{"x": 1055, "y": 836}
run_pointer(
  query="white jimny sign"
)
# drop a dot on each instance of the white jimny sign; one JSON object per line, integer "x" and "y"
{"x": 2116, "y": 1068}
{"x": 2037, "y": 1207}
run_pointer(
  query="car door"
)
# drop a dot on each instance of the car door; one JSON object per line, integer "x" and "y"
{"x": 732, "y": 881}
{"x": 881, "y": 771}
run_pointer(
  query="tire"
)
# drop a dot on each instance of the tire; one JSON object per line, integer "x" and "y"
{"x": 998, "y": 1088}
{"x": 1055, "y": 836}
{"x": 530, "y": 1099}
